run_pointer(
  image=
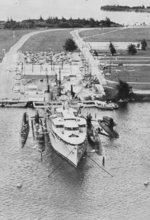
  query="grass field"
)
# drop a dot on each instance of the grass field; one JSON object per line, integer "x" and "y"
{"x": 91, "y": 32}
{"x": 44, "y": 41}
{"x": 129, "y": 74}
{"x": 121, "y": 35}
{"x": 10, "y": 37}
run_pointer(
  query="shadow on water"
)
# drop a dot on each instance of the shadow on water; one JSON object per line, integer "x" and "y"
{"x": 61, "y": 169}
{"x": 123, "y": 107}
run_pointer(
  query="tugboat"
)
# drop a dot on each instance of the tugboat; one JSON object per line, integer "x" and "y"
{"x": 24, "y": 129}
{"x": 68, "y": 134}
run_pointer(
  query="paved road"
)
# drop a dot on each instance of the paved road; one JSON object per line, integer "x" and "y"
{"x": 93, "y": 64}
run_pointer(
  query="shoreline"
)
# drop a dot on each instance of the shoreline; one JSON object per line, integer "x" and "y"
{"x": 130, "y": 10}
{"x": 120, "y": 8}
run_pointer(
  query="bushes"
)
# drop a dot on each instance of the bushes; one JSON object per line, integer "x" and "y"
{"x": 124, "y": 90}
{"x": 143, "y": 44}
{"x": 112, "y": 49}
{"x": 70, "y": 45}
{"x": 132, "y": 49}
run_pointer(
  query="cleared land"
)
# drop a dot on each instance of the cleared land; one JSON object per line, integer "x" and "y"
{"x": 44, "y": 41}
{"x": 9, "y": 38}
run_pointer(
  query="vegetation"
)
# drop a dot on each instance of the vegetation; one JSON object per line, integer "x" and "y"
{"x": 70, "y": 45}
{"x": 9, "y": 38}
{"x": 89, "y": 120}
{"x": 124, "y": 90}
{"x": 131, "y": 73}
{"x": 52, "y": 40}
{"x": 55, "y": 22}
{"x": 112, "y": 49}
{"x": 143, "y": 44}
{"x": 132, "y": 49}
{"x": 125, "y": 8}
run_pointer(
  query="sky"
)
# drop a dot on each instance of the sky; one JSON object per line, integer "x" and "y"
{"x": 24, "y": 9}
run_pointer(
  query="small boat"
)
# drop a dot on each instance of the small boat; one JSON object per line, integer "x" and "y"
{"x": 45, "y": 105}
{"x": 106, "y": 105}
{"x": 38, "y": 105}
{"x": 107, "y": 127}
{"x": 74, "y": 104}
{"x": 88, "y": 104}
{"x": 99, "y": 104}
{"x": 24, "y": 129}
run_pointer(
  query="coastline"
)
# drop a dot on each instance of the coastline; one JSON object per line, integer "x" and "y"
{"x": 129, "y": 10}
{"x": 119, "y": 8}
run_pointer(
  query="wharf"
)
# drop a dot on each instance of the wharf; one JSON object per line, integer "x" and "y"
{"x": 20, "y": 102}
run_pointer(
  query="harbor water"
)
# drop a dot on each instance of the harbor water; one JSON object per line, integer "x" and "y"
{"x": 53, "y": 189}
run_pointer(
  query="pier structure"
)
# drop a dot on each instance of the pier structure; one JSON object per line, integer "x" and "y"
{"x": 85, "y": 49}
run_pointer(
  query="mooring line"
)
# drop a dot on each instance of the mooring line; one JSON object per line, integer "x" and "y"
{"x": 100, "y": 166}
{"x": 60, "y": 164}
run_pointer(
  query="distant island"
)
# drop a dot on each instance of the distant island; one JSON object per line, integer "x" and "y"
{"x": 126, "y": 8}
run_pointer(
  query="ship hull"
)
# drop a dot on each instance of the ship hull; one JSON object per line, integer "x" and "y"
{"x": 72, "y": 153}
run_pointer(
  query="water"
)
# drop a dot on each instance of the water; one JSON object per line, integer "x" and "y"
{"x": 126, "y": 18}
{"x": 84, "y": 193}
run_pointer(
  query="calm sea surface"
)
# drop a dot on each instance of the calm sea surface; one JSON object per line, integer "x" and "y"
{"x": 126, "y": 18}
{"x": 84, "y": 193}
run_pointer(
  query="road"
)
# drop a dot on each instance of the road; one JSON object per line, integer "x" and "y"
{"x": 85, "y": 49}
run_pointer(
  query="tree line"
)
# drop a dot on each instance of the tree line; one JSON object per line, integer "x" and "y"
{"x": 55, "y": 22}
{"x": 123, "y": 8}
